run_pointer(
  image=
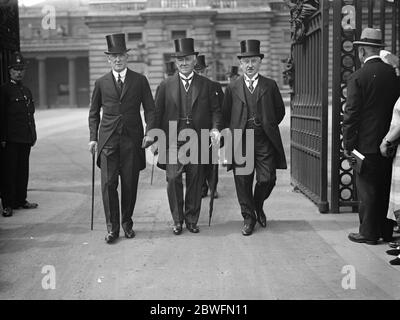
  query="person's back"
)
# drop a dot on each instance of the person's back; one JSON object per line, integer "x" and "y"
{"x": 378, "y": 90}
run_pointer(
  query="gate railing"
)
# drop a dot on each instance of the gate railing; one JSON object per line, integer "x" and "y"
{"x": 349, "y": 18}
{"x": 309, "y": 106}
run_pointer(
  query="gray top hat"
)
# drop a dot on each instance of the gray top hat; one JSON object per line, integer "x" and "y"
{"x": 370, "y": 37}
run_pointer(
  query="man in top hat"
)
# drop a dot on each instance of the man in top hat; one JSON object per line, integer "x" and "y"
{"x": 118, "y": 136}
{"x": 372, "y": 92}
{"x": 210, "y": 177}
{"x": 17, "y": 136}
{"x": 253, "y": 102}
{"x": 189, "y": 101}
{"x": 233, "y": 74}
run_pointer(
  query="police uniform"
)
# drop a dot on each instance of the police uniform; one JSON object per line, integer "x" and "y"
{"x": 18, "y": 131}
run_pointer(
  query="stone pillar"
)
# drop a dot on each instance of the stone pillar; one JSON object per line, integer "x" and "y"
{"x": 42, "y": 82}
{"x": 72, "y": 81}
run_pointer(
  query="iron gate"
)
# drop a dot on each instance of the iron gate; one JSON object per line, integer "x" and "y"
{"x": 309, "y": 103}
{"x": 349, "y": 18}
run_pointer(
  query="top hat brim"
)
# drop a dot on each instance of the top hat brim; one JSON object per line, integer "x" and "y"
{"x": 19, "y": 65}
{"x": 250, "y": 54}
{"x": 200, "y": 67}
{"x": 367, "y": 43}
{"x": 184, "y": 54}
{"x": 117, "y": 52}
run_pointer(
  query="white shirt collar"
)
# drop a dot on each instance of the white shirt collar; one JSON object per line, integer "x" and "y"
{"x": 188, "y": 77}
{"x": 122, "y": 73}
{"x": 247, "y": 78}
{"x": 372, "y": 57}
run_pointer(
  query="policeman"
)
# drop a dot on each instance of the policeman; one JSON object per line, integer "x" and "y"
{"x": 17, "y": 136}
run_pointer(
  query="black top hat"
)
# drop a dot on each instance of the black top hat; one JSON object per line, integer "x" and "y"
{"x": 17, "y": 61}
{"x": 200, "y": 63}
{"x": 116, "y": 43}
{"x": 250, "y": 48}
{"x": 234, "y": 71}
{"x": 184, "y": 47}
{"x": 170, "y": 68}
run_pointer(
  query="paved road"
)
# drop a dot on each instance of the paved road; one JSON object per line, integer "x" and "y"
{"x": 300, "y": 255}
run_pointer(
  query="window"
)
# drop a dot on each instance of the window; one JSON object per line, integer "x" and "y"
{"x": 178, "y": 34}
{"x": 135, "y": 36}
{"x": 223, "y": 34}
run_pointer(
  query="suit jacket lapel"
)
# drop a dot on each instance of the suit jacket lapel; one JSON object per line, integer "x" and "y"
{"x": 128, "y": 81}
{"x": 239, "y": 89}
{"x": 263, "y": 87}
{"x": 111, "y": 83}
{"x": 195, "y": 88}
{"x": 174, "y": 89}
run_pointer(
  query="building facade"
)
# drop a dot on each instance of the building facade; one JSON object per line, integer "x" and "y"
{"x": 66, "y": 61}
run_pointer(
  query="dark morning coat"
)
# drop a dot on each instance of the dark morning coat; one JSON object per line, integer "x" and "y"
{"x": 124, "y": 108}
{"x": 372, "y": 94}
{"x": 270, "y": 107}
{"x": 206, "y": 112}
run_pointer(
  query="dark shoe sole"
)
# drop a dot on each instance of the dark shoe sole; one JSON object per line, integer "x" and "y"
{"x": 395, "y": 262}
{"x": 393, "y": 252}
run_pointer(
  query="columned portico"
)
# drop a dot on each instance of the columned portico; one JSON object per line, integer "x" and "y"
{"x": 72, "y": 81}
{"x": 42, "y": 82}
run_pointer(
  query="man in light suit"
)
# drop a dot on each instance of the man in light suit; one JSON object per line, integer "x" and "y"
{"x": 188, "y": 100}
{"x": 371, "y": 95}
{"x": 253, "y": 102}
{"x": 120, "y": 138}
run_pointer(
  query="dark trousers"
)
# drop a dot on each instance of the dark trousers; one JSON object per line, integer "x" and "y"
{"x": 265, "y": 171}
{"x": 373, "y": 190}
{"x": 15, "y": 173}
{"x": 187, "y": 210}
{"x": 118, "y": 160}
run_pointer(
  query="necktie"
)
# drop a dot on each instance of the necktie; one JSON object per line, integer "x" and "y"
{"x": 120, "y": 84}
{"x": 251, "y": 88}
{"x": 187, "y": 84}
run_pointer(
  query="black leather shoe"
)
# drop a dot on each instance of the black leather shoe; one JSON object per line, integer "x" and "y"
{"x": 261, "y": 218}
{"x": 395, "y": 262}
{"x": 130, "y": 234}
{"x": 193, "y": 228}
{"x": 7, "y": 212}
{"x": 356, "y": 237}
{"x": 393, "y": 252}
{"x": 27, "y": 205}
{"x": 111, "y": 237}
{"x": 177, "y": 229}
{"x": 248, "y": 228}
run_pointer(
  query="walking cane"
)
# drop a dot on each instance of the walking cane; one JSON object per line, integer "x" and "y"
{"x": 93, "y": 160}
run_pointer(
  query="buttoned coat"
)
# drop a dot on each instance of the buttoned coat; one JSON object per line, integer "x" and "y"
{"x": 205, "y": 109}
{"x": 121, "y": 109}
{"x": 270, "y": 108}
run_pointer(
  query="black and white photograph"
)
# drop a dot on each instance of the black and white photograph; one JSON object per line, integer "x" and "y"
{"x": 204, "y": 157}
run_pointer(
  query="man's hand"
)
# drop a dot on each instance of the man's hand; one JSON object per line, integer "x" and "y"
{"x": 349, "y": 156}
{"x": 387, "y": 149}
{"x": 147, "y": 142}
{"x": 215, "y": 136}
{"x": 3, "y": 144}
{"x": 154, "y": 148}
{"x": 93, "y": 146}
